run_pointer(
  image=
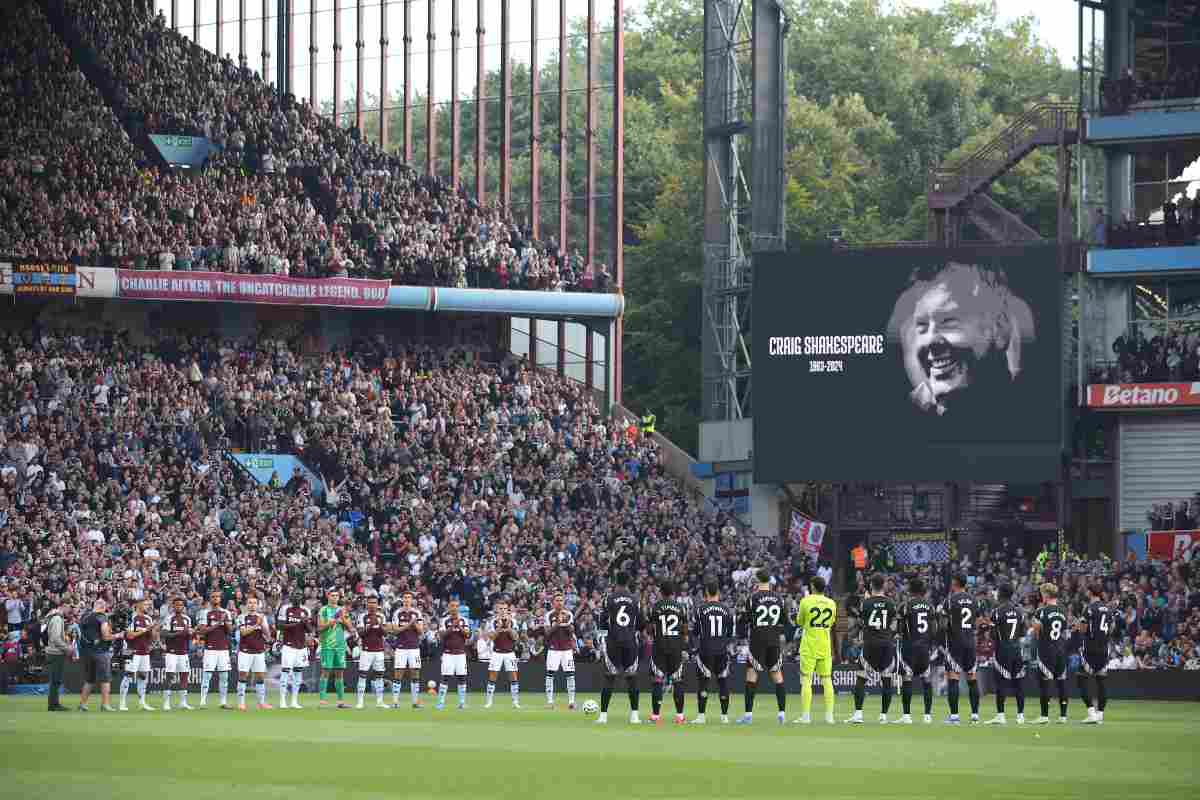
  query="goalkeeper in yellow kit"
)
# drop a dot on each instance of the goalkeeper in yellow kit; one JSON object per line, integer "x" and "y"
{"x": 816, "y": 619}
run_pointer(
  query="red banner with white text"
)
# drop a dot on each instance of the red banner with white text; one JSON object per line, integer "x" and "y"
{"x": 1143, "y": 395}
{"x": 222, "y": 287}
{"x": 1165, "y": 545}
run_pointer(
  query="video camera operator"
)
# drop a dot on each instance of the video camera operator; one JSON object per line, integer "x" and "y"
{"x": 95, "y": 651}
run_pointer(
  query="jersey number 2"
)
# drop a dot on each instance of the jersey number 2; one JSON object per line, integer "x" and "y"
{"x": 820, "y": 618}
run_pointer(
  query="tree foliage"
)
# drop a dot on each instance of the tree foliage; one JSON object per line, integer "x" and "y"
{"x": 878, "y": 94}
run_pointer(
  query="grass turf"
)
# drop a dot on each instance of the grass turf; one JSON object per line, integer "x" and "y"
{"x": 1144, "y": 750}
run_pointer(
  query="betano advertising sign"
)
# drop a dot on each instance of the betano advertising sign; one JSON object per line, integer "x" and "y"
{"x": 1143, "y": 395}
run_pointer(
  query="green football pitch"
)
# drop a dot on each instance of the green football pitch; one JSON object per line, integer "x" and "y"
{"x": 1143, "y": 750}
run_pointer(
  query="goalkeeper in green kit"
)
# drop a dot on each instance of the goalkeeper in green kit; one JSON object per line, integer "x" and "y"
{"x": 333, "y": 625}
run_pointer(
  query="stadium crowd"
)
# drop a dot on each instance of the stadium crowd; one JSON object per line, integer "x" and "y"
{"x": 439, "y": 472}
{"x": 1118, "y": 95}
{"x": 1181, "y": 515}
{"x": 1173, "y": 356}
{"x": 1179, "y": 225}
{"x": 285, "y": 192}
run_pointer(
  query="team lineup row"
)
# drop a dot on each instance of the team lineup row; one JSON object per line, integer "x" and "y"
{"x": 899, "y": 643}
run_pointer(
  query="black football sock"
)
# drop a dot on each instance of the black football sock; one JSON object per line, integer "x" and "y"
{"x": 973, "y": 694}
{"x": 750, "y": 687}
{"x": 1044, "y": 695}
{"x": 1063, "y": 697}
{"x": 887, "y": 694}
{"x": 952, "y": 696}
{"x": 781, "y": 696}
{"x": 679, "y": 697}
{"x": 634, "y": 694}
{"x": 605, "y": 699}
{"x": 1019, "y": 693}
{"x": 927, "y": 688}
{"x": 1101, "y": 693}
{"x": 723, "y": 690}
{"x": 1000, "y": 695}
{"x": 860, "y": 692}
{"x": 656, "y": 695}
{"x": 906, "y": 697}
{"x": 1082, "y": 680}
{"x": 702, "y": 700}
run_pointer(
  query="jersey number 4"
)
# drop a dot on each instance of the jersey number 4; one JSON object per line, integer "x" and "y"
{"x": 820, "y": 617}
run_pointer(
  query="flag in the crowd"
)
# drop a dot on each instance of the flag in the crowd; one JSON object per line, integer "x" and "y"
{"x": 921, "y": 551}
{"x": 807, "y": 533}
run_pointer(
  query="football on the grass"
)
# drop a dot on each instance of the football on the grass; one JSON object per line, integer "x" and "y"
{"x": 590, "y": 707}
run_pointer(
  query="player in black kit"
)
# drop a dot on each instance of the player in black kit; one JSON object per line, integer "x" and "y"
{"x": 878, "y": 660}
{"x": 711, "y": 629}
{"x": 959, "y": 615}
{"x": 1049, "y": 624}
{"x": 1008, "y": 628}
{"x": 917, "y": 620}
{"x": 623, "y": 619}
{"x": 668, "y": 625}
{"x": 763, "y": 618}
{"x": 1094, "y": 629}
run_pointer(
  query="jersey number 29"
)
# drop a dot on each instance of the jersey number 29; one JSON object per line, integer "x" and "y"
{"x": 767, "y": 615}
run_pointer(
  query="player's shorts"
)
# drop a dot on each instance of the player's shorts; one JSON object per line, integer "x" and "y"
{"x": 621, "y": 657}
{"x": 812, "y": 663}
{"x": 560, "y": 659}
{"x": 766, "y": 656}
{"x": 454, "y": 664}
{"x": 333, "y": 658}
{"x": 406, "y": 659}
{"x": 502, "y": 662}
{"x": 713, "y": 665}
{"x": 914, "y": 661}
{"x": 878, "y": 660}
{"x": 960, "y": 656}
{"x": 666, "y": 664}
{"x": 97, "y": 667}
{"x": 1052, "y": 665}
{"x": 1094, "y": 662}
{"x": 370, "y": 661}
{"x": 177, "y": 663}
{"x": 1009, "y": 664}
{"x": 293, "y": 657}
{"x": 136, "y": 663}
{"x": 216, "y": 660}
{"x": 252, "y": 662}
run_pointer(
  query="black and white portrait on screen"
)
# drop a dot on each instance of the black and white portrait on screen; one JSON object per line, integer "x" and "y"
{"x": 962, "y": 333}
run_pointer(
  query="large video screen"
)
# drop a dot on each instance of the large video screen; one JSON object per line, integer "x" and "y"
{"x": 907, "y": 364}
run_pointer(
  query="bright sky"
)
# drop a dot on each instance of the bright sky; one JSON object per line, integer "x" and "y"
{"x": 1057, "y": 21}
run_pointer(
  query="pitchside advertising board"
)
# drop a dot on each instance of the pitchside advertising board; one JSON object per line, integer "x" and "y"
{"x": 908, "y": 364}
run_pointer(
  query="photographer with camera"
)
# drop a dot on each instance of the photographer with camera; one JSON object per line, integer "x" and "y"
{"x": 58, "y": 645}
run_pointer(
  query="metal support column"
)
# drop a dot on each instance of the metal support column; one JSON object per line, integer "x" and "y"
{"x": 729, "y": 62}
{"x": 589, "y": 140}
{"x": 430, "y": 108}
{"x": 535, "y": 123}
{"x": 769, "y": 64}
{"x": 242, "y": 60}
{"x": 288, "y": 50}
{"x": 337, "y": 61}
{"x": 174, "y": 15}
{"x": 312, "y": 58}
{"x": 505, "y": 106}
{"x": 562, "y": 348}
{"x": 266, "y": 40}
{"x": 618, "y": 193}
{"x": 196, "y": 21}
{"x": 383, "y": 74}
{"x": 359, "y": 66}
{"x": 480, "y": 106}
{"x": 221, "y": 33}
{"x": 563, "y": 194}
{"x": 589, "y": 359}
{"x": 533, "y": 336}
{"x": 408, "y": 81}
{"x": 455, "y": 105}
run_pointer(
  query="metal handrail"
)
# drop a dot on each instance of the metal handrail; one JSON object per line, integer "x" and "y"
{"x": 985, "y": 163}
